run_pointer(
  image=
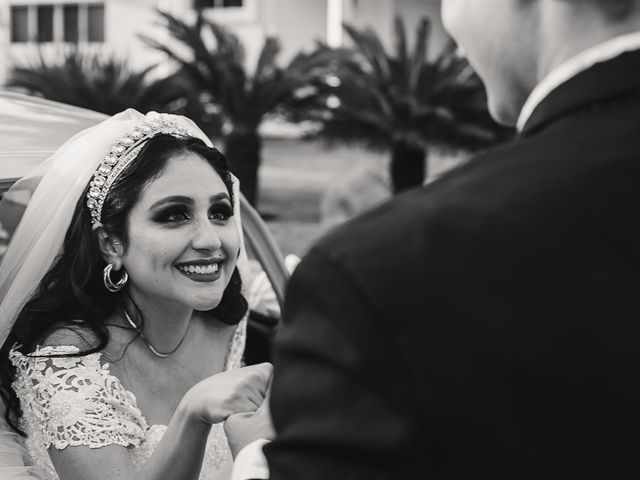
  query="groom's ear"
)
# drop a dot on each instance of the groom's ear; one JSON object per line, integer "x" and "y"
{"x": 111, "y": 247}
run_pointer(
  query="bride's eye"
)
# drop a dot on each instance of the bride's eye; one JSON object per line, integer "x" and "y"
{"x": 220, "y": 212}
{"x": 172, "y": 215}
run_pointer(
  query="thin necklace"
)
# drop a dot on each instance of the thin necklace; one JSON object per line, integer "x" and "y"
{"x": 153, "y": 350}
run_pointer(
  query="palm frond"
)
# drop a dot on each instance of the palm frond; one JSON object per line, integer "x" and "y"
{"x": 400, "y": 36}
{"x": 228, "y": 44}
{"x": 419, "y": 53}
{"x": 266, "y": 66}
{"x": 385, "y": 97}
{"x": 97, "y": 80}
{"x": 369, "y": 46}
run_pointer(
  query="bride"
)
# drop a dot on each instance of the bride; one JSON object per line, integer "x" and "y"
{"x": 121, "y": 319}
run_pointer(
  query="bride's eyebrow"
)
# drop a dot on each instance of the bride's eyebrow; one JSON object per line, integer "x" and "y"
{"x": 173, "y": 199}
{"x": 187, "y": 200}
{"x": 218, "y": 197}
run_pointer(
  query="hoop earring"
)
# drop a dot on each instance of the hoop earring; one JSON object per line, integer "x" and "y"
{"x": 109, "y": 284}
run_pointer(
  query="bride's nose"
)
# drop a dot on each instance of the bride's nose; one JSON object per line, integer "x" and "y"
{"x": 206, "y": 237}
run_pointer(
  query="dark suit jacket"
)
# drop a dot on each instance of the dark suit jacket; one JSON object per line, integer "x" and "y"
{"x": 485, "y": 325}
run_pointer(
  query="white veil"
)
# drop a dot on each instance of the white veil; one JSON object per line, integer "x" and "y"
{"x": 50, "y": 192}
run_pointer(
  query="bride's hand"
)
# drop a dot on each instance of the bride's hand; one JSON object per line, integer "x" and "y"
{"x": 219, "y": 396}
{"x": 243, "y": 428}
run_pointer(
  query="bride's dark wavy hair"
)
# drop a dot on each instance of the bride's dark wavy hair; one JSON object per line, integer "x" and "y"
{"x": 72, "y": 293}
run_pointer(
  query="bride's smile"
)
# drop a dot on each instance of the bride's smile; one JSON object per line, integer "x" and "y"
{"x": 201, "y": 270}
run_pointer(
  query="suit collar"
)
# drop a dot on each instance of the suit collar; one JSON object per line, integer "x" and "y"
{"x": 608, "y": 71}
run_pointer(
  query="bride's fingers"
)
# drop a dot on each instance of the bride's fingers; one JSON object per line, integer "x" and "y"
{"x": 267, "y": 395}
{"x": 256, "y": 397}
{"x": 258, "y": 400}
{"x": 264, "y": 373}
{"x": 269, "y": 385}
{"x": 253, "y": 388}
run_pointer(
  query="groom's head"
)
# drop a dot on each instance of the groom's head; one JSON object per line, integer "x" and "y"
{"x": 513, "y": 44}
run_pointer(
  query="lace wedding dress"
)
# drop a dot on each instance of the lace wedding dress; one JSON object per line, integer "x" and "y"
{"x": 72, "y": 401}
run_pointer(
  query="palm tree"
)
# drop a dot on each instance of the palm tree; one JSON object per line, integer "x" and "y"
{"x": 99, "y": 81}
{"x": 245, "y": 99}
{"x": 397, "y": 101}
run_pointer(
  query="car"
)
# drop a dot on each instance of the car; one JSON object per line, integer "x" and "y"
{"x": 27, "y": 138}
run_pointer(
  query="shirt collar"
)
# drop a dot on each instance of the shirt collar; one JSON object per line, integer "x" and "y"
{"x": 570, "y": 68}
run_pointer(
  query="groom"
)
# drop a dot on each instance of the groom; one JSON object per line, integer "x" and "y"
{"x": 487, "y": 324}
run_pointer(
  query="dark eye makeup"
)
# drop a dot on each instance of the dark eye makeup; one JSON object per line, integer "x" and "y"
{"x": 220, "y": 211}
{"x": 172, "y": 214}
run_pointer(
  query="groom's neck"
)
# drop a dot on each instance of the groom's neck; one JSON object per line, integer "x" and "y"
{"x": 569, "y": 27}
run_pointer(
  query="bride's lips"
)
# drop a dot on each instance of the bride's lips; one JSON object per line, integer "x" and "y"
{"x": 201, "y": 270}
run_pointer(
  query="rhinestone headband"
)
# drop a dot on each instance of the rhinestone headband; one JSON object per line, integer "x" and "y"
{"x": 121, "y": 154}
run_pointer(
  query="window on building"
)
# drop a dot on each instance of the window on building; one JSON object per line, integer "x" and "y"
{"x": 96, "y": 23}
{"x": 70, "y": 21}
{"x": 60, "y": 22}
{"x": 217, "y": 3}
{"x": 19, "y": 24}
{"x": 45, "y": 23}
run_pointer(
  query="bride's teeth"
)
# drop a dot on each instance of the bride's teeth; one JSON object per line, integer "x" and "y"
{"x": 200, "y": 269}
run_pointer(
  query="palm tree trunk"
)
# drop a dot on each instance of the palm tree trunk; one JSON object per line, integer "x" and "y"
{"x": 243, "y": 152}
{"x": 408, "y": 166}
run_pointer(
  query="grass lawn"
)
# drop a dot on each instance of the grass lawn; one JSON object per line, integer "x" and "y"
{"x": 296, "y": 174}
{"x": 293, "y": 178}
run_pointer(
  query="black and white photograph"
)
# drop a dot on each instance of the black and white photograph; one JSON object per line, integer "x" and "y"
{"x": 319, "y": 239}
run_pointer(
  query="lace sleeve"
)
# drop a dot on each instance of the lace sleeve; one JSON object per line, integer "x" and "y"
{"x": 73, "y": 401}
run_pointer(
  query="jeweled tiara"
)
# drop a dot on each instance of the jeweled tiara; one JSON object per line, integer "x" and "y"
{"x": 121, "y": 154}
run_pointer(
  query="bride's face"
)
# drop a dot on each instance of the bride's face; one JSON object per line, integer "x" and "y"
{"x": 182, "y": 242}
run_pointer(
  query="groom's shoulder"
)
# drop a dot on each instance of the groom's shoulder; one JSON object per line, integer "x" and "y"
{"x": 459, "y": 197}
{"x": 513, "y": 186}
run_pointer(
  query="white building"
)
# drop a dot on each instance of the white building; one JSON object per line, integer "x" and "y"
{"x": 117, "y": 24}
